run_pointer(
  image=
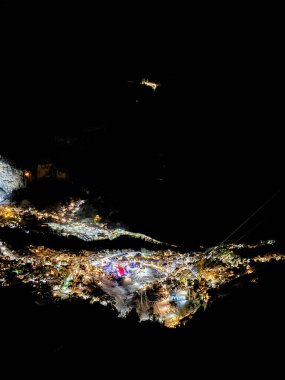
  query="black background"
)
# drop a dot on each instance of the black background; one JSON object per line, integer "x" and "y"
{"x": 187, "y": 163}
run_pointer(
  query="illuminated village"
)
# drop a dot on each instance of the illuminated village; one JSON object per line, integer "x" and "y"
{"x": 141, "y": 191}
{"x": 161, "y": 284}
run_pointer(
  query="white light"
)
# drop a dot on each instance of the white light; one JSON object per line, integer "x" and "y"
{"x": 10, "y": 179}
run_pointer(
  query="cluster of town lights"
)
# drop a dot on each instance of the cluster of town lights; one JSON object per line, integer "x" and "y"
{"x": 163, "y": 285}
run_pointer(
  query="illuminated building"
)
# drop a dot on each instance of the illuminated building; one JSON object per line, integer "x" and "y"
{"x": 152, "y": 85}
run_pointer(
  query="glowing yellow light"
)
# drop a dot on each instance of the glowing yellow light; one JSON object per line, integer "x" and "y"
{"x": 97, "y": 218}
{"x": 153, "y": 85}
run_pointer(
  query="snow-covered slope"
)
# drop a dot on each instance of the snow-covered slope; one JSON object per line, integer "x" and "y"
{"x": 10, "y": 178}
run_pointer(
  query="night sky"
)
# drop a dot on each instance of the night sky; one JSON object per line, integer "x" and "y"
{"x": 203, "y": 151}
